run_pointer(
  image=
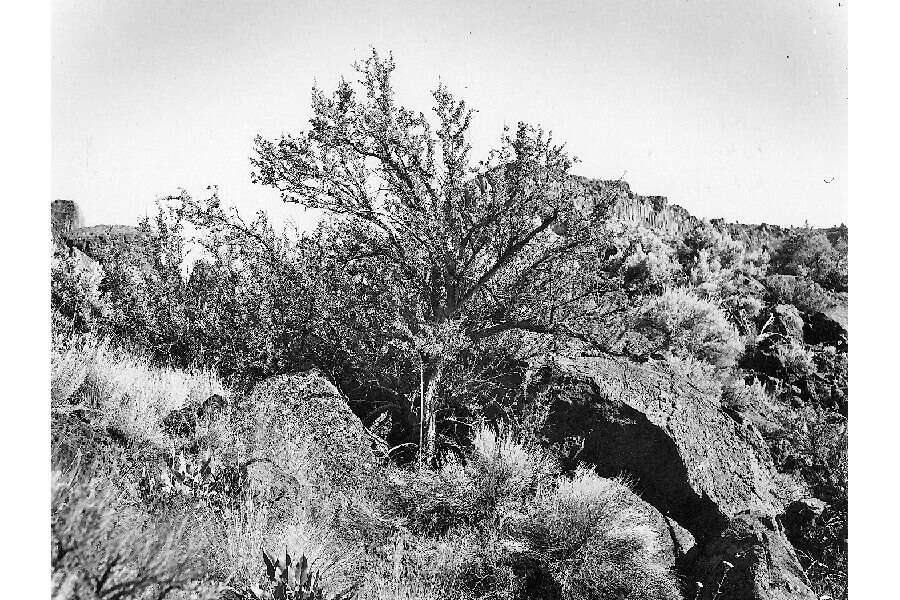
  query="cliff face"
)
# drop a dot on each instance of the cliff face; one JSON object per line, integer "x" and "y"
{"x": 655, "y": 212}
{"x": 648, "y": 211}
{"x": 64, "y": 217}
{"x": 97, "y": 240}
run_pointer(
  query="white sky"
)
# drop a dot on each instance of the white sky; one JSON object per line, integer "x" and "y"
{"x": 732, "y": 109}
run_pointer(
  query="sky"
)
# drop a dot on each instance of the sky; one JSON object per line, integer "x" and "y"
{"x": 732, "y": 109}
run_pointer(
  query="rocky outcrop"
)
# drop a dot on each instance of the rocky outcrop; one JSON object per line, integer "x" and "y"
{"x": 674, "y": 540}
{"x": 64, "y": 217}
{"x": 648, "y": 211}
{"x": 821, "y": 328}
{"x": 800, "y": 515}
{"x": 98, "y": 240}
{"x": 690, "y": 460}
{"x": 751, "y": 558}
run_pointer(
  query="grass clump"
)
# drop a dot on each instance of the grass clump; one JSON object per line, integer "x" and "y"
{"x": 505, "y": 524}
{"x": 591, "y": 537}
{"x": 121, "y": 391}
{"x": 497, "y": 478}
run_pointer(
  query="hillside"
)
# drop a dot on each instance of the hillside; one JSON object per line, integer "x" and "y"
{"x": 677, "y": 476}
{"x": 472, "y": 379}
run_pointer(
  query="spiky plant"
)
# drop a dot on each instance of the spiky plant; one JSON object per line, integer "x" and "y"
{"x": 286, "y": 580}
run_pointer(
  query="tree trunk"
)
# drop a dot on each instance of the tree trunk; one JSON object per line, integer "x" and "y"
{"x": 433, "y": 372}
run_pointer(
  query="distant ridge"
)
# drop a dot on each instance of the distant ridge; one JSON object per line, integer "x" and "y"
{"x": 653, "y": 212}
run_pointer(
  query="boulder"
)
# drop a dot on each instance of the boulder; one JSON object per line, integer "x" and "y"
{"x": 709, "y": 473}
{"x": 820, "y": 328}
{"x": 788, "y": 321}
{"x": 304, "y": 434}
{"x": 799, "y": 515}
{"x": 816, "y": 529}
{"x": 674, "y": 540}
{"x": 749, "y": 559}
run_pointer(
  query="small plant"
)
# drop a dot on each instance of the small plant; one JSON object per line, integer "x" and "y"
{"x": 505, "y": 472}
{"x": 203, "y": 478}
{"x": 286, "y": 580}
{"x": 738, "y": 395}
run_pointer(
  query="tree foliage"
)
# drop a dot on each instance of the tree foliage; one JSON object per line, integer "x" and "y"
{"x": 456, "y": 251}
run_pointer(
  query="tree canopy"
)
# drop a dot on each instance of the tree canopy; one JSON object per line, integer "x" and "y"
{"x": 458, "y": 250}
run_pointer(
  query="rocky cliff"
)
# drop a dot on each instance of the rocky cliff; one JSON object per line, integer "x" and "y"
{"x": 64, "y": 217}
{"x": 649, "y": 211}
{"x": 96, "y": 240}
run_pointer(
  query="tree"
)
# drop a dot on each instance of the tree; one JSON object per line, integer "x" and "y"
{"x": 459, "y": 252}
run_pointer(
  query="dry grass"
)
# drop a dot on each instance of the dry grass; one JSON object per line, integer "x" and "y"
{"x": 596, "y": 542}
{"x": 121, "y": 391}
{"x": 102, "y": 546}
{"x": 505, "y": 471}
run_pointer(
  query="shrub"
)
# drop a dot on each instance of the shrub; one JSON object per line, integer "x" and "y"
{"x": 647, "y": 262}
{"x": 499, "y": 476}
{"x": 246, "y": 307}
{"x": 431, "y": 502}
{"x": 593, "y": 539}
{"x": 810, "y": 254}
{"x": 795, "y": 359}
{"x": 738, "y": 395}
{"x": 805, "y": 294}
{"x": 681, "y": 323}
{"x": 75, "y": 291}
{"x": 104, "y": 547}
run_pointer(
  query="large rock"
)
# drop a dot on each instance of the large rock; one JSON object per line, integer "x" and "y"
{"x": 674, "y": 540}
{"x": 304, "y": 434}
{"x": 708, "y": 472}
{"x": 750, "y": 559}
{"x": 821, "y": 328}
{"x": 64, "y": 216}
{"x": 801, "y": 514}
